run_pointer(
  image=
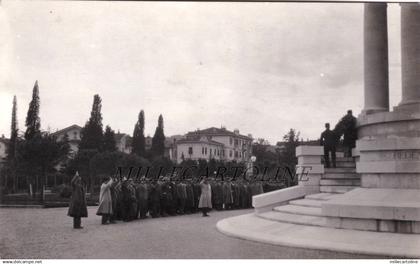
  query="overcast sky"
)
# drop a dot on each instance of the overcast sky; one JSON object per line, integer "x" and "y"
{"x": 260, "y": 67}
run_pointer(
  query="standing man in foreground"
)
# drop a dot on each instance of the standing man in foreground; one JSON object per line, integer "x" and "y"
{"x": 205, "y": 197}
{"x": 105, "y": 201}
{"x": 329, "y": 141}
{"x": 77, "y": 207}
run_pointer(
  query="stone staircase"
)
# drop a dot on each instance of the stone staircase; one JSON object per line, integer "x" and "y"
{"x": 341, "y": 179}
{"x": 307, "y": 211}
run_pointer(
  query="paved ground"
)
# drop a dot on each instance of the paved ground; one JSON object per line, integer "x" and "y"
{"x": 48, "y": 233}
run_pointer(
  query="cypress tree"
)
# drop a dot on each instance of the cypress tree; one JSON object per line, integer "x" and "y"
{"x": 11, "y": 149}
{"x": 109, "y": 140}
{"x": 158, "y": 140}
{"x": 92, "y": 134}
{"x": 33, "y": 122}
{"x": 139, "y": 141}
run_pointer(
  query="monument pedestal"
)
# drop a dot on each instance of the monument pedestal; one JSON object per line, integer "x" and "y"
{"x": 389, "y": 147}
{"x": 389, "y": 166}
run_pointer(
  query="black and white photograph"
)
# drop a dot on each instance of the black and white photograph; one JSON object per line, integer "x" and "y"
{"x": 209, "y": 130}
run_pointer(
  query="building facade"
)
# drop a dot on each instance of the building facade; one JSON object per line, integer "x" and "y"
{"x": 123, "y": 142}
{"x": 214, "y": 143}
{"x": 3, "y": 148}
{"x": 73, "y": 133}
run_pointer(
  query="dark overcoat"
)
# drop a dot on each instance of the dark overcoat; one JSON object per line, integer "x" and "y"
{"x": 77, "y": 206}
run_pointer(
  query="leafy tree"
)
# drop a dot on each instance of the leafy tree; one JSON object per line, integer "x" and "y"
{"x": 288, "y": 156}
{"x": 139, "y": 142}
{"x": 158, "y": 140}
{"x": 33, "y": 122}
{"x": 161, "y": 162}
{"x": 92, "y": 134}
{"x": 81, "y": 163}
{"x": 109, "y": 140}
{"x": 40, "y": 155}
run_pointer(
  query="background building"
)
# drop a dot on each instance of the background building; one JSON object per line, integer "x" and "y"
{"x": 214, "y": 143}
{"x": 73, "y": 133}
{"x": 3, "y": 148}
{"x": 123, "y": 142}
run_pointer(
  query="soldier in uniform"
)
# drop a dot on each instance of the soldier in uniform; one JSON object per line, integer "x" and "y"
{"x": 189, "y": 204}
{"x": 227, "y": 195}
{"x": 172, "y": 197}
{"x": 205, "y": 197}
{"x": 350, "y": 132}
{"x": 133, "y": 213}
{"x": 154, "y": 199}
{"x": 115, "y": 196}
{"x": 197, "y": 193}
{"x": 142, "y": 198}
{"x": 236, "y": 193}
{"x": 77, "y": 206}
{"x": 329, "y": 141}
{"x": 182, "y": 197}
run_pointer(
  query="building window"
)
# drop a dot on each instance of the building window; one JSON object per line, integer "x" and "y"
{"x": 210, "y": 152}
{"x": 230, "y": 141}
{"x": 202, "y": 150}
{"x": 190, "y": 150}
{"x": 230, "y": 153}
{"x": 205, "y": 150}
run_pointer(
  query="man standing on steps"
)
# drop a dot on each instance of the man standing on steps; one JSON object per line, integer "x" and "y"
{"x": 328, "y": 140}
{"x": 350, "y": 132}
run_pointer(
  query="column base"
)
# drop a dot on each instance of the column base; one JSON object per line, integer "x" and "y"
{"x": 373, "y": 111}
{"x": 412, "y": 106}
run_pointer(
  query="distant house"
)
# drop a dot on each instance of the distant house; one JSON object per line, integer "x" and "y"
{"x": 214, "y": 143}
{"x": 3, "y": 148}
{"x": 148, "y": 142}
{"x": 73, "y": 133}
{"x": 170, "y": 146}
{"x": 123, "y": 142}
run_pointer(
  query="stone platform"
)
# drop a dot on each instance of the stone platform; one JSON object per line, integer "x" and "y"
{"x": 254, "y": 228}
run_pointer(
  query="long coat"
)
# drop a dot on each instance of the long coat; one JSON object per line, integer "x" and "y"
{"x": 190, "y": 195}
{"x": 105, "y": 199}
{"x": 77, "y": 206}
{"x": 227, "y": 193}
{"x": 205, "y": 197}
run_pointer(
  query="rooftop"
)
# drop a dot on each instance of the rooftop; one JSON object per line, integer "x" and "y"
{"x": 214, "y": 131}
{"x": 64, "y": 130}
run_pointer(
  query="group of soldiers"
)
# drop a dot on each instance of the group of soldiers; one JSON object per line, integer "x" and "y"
{"x": 168, "y": 197}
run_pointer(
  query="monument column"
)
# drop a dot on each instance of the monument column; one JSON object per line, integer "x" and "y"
{"x": 376, "y": 58}
{"x": 410, "y": 52}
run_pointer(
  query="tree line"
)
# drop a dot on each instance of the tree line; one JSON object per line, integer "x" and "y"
{"x": 36, "y": 154}
{"x": 33, "y": 155}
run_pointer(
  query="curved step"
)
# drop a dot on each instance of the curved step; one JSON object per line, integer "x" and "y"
{"x": 340, "y": 170}
{"x": 294, "y": 219}
{"x": 254, "y": 228}
{"x": 339, "y": 182}
{"x": 336, "y": 189}
{"x": 322, "y": 196}
{"x": 341, "y": 176}
{"x": 299, "y": 210}
{"x": 307, "y": 202}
